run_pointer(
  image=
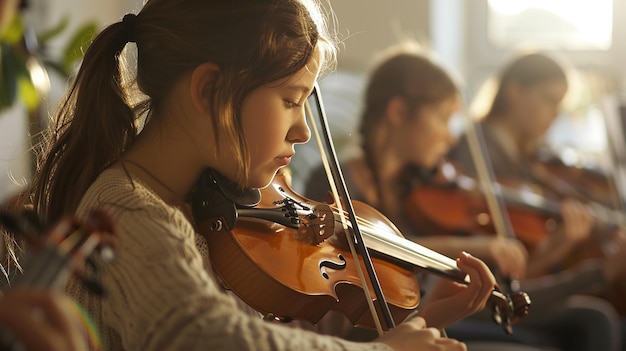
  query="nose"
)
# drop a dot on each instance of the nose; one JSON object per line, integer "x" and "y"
{"x": 299, "y": 132}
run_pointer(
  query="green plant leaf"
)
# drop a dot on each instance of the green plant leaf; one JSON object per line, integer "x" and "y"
{"x": 15, "y": 79}
{"x": 74, "y": 49}
{"x": 8, "y": 76}
{"x": 27, "y": 93}
{"x": 13, "y": 32}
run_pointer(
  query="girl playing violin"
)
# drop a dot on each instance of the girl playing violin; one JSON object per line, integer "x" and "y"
{"x": 527, "y": 100}
{"x": 221, "y": 85}
{"x": 526, "y": 104}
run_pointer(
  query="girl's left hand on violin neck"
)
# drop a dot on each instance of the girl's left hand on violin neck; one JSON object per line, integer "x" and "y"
{"x": 449, "y": 301}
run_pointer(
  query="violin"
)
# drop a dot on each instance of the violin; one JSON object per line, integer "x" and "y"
{"x": 532, "y": 215}
{"x": 598, "y": 186}
{"x": 60, "y": 254}
{"x": 285, "y": 256}
{"x": 582, "y": 181}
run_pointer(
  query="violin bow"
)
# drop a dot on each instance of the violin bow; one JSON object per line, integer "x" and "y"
{"x": 616, "y": 142}
{"x": 340, "y": 191}
{"x": 491, "y": 189}
{"x": 617, "y": 162}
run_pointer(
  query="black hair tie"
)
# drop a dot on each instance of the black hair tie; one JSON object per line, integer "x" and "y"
{"x": 129, "y": 27}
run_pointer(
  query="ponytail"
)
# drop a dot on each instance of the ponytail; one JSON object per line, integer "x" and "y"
{"x": 91, "y": 129}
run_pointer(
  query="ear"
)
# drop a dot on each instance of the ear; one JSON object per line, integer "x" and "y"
{"x": 397, "y": 110}
{"x": 201, "y": 80}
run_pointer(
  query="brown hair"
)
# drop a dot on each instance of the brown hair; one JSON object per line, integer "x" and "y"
{"x": 404, "y": 72}
{"x": 526, "y": 70}
{"x": 252, "y": 41}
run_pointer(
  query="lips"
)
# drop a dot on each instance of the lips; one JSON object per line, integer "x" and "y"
{"x": 284, "y": 160}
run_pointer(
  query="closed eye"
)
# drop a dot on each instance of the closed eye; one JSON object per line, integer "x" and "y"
{"x": 291, "y": 104}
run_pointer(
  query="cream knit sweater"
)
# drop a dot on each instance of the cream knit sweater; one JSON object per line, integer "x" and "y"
{"x": 161, "y": 292}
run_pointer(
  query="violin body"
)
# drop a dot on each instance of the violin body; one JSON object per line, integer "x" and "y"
{"x": 454, "y": 205}
{"x": 288, "y": 273}
{"x": 278, "y": 276}
{"x": 590, "y": 183}
{"x": 442, "y": 209}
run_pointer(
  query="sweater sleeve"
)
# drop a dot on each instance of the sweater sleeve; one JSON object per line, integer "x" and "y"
{"x": 160, "y": 297}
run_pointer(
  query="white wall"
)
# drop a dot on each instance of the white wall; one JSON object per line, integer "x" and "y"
{"x": 368, "y": 27}
{"x": 14, "y": 154}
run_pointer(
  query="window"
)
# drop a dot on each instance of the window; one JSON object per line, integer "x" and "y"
{"x": 551, "y": 24}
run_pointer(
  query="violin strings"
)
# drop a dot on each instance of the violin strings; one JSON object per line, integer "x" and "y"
{"x": 362, "y": 222}
{"x": 369, "y": 229}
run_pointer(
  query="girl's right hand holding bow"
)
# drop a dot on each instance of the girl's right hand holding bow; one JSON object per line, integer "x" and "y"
{"x": 415, "y": 335}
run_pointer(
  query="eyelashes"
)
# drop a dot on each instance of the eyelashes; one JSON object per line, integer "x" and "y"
{"x": 291, "y": 104}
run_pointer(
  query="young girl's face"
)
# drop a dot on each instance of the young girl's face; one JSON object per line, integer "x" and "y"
{"x": 273, "y": 120}
{"x": 427, "y": 135}
{"x": 538, "y": 106}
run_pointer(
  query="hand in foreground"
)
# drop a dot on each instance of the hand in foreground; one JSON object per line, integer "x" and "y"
{"x": 449, "y": 301}
{"x": 41, "y": 320}
{"x": 414, "y": 335}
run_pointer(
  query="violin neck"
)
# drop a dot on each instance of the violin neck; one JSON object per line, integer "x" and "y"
{"x": 531, "y": 201}
{"x": 604, "y": 216}
{"x": 413, "y": 254}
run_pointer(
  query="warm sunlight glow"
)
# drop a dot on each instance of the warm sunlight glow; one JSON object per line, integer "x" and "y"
{"x": 564, "y": 24}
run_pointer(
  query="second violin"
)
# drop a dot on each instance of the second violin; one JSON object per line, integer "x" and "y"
{"x": 532, "y": 215}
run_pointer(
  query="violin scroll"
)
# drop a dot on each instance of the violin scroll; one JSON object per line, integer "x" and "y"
{"x": 508, "y": 309}
{"x": 64, "y": 248}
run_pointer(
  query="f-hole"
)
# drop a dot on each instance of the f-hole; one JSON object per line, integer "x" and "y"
{"x": 324, "y": 264}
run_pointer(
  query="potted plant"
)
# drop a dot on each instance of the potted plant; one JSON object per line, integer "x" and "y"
{"x": 25, "y": 65}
